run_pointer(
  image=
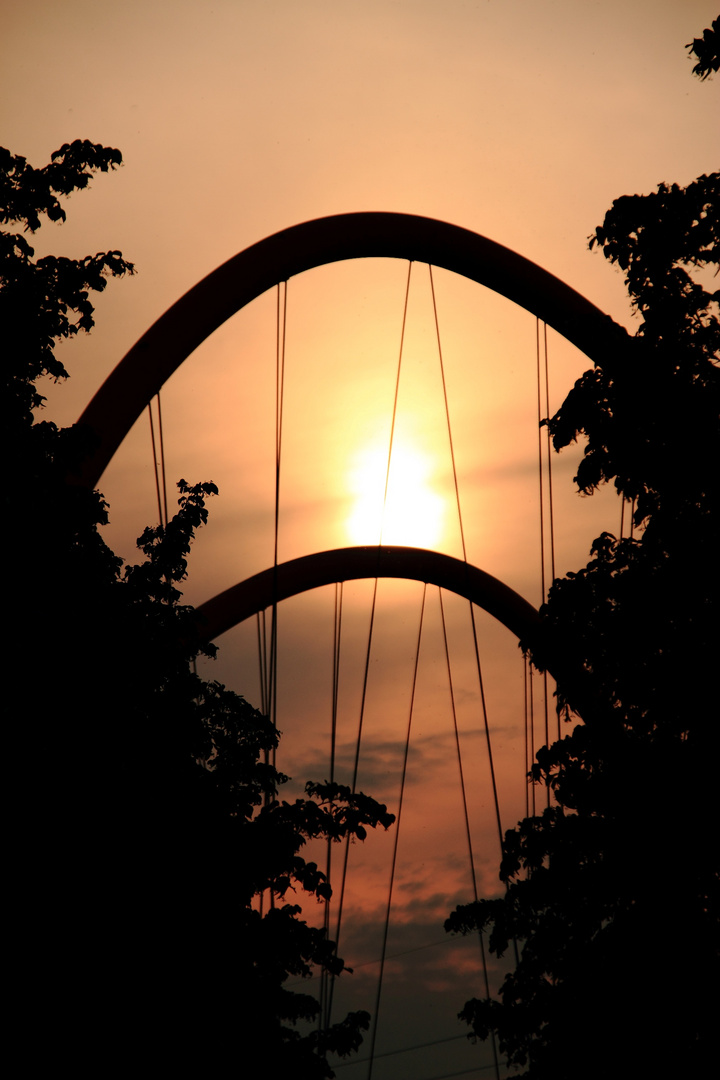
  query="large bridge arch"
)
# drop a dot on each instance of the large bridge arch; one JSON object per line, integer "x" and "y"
{"x": 184, "y": 326}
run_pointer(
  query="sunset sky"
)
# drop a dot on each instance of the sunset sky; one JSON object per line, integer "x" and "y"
{"x": 519, "y": 120}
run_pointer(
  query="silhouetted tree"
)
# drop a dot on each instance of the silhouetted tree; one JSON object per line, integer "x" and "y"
{"x": 613, "y": 893}
{"x": 707, "y": 51}
{"x": 147, "y": 820}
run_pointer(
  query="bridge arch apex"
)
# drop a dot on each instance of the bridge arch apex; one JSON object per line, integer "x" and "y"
{"x": 190, "y": 320}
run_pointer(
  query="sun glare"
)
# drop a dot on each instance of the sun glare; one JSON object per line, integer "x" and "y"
{"x": 414, "y": 513}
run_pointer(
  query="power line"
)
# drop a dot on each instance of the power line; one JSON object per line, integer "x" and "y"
{"x": 421, "y": 1046}
{"x": 402, "y": 1050}
{"x": 449, "y": 940}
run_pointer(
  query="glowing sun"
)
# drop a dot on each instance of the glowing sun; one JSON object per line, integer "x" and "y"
{"x": 413, "y": 514}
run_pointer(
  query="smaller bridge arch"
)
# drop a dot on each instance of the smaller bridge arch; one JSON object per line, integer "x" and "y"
{"x": 296, "y": 576}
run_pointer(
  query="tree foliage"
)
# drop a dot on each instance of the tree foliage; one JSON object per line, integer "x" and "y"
{"x": 149, "y": 817}
{"x": 613, "y": 893}
{"x": 45, "y": 301}
{"x": 707, "y": 51}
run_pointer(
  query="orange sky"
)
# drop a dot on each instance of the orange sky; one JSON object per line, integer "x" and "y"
{"x": 237, "y": 118}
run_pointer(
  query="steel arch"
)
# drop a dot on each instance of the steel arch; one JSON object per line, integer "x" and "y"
{"x": 232, "y": 606}
{"x": 176, "y": 334}
{"x": 287, "y": 579}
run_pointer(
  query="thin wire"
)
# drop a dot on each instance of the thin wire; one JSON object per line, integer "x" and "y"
{"x": 546, "y": 718}
{"x": 447, "y": 940}
{"x": 465, "y": 811}
{"x": 262, "y": 663}
{"x": 280, "y": 329}
{"x": 542, "y": 502}
{"x": 551, "y": 521}
{"x": 356, "y": 766}
{"x": 262, "y": 660}
{"x": 457, "y": 747}
{"x": 162, "y": 457}
{"x": 540, "y": 471}
{"x": 445, "y": 1076}
{"x": 155, "y": 464}
{"x": 464, "y": 550}
{"x": 487, "y": 726}
{"x": 551, "y": 514}
{"x": 528, "y": 759}
{"x": 395, "y": 401}
{"x": 270, "y": 665}
{"x": 397, "y": 836}
{"x": 496, "y": 800}
{"x": 402, "y": 1050}
{"x": 474, "y": 628}
{"x": 326, "y": 980}
{"x": 532, "y": 737}
{"x": 337, "y": 634}
{"x": 323, "y": 1021}
{"x": 466, "y": 1072}
{"x": 447, "y": 416}
{"x": 261, "y": 623}
{"x": 366, "y": 672}
{"x": 472, "y": 620}
{"x": 363, "y": 699}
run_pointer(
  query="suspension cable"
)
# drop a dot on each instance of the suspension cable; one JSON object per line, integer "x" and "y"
{"x": 398, "y": 820}
{"x": 528, "y": 751}
{"x": 551, "y": 519}
{"x": 155, "y": 466}
{"x": 477, "y": 659}
{"x": 366, "y": 672}
{"x": 337, "y": 635}
{"x": 395, "y": 402}
{"x": 262, "y": 660}
{"x": 464, "y": 551}
{"x": 280, "y": 325}
{"x": 542, "y": 505}
{"x": 268, "y": 665}
{"x": 496, "y": 800}
{"x": 483, "y": 957}
{"x": 162, "y": 457}
{"x": 532, "y": 738}
{"x": 356, "y": 766}
{"x": 551, "y": 515}
{"x": 540, "y": 464}
{"x": 457, "y": 747}
{"x": 447, "y": 416}
{"x": 327, "y": 980}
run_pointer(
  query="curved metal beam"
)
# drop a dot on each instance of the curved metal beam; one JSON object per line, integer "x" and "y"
{"x": 256, "y": 593}
{"x": 160, "y": 351}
